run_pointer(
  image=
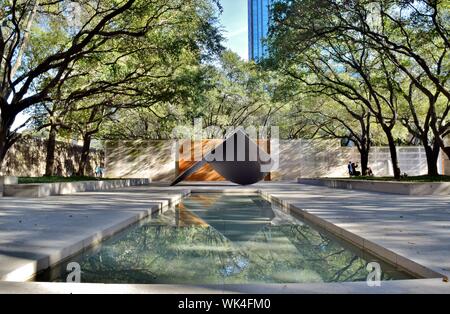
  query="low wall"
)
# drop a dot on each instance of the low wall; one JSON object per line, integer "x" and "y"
{"x": 160, "y": 160}
{"x": 27, "y": 157}
{"x": 445, "y": 159}
{"x": 63, "y": 188}
{"x": 404, "y": 188}
{"x": 314, "y": 159}
{"x": 309, "y": 159}
{"x": 5, "y": 181}
{"x": 155, "y": 160}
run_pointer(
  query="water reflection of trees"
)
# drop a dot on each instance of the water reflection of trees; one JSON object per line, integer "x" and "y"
{"x": 158, "y": 254}
{"x": 161, "y": 253}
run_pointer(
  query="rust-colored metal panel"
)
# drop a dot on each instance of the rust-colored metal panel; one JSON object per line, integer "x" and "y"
{"x": 205, "y": 173}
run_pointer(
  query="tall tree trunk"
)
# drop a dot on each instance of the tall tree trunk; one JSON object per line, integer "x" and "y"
{"x": 84, "y": 158}
{"x": 3, "y": 146}
{"x": 393, "y": 151}
{"x": 51, "y": 144}
{"x": 5, "y": 126}
{"x": 432, "y": 153}
{"x": 364, "y": 152}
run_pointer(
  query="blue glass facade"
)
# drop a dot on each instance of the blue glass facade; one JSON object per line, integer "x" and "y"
{"x": 258, "y": 27}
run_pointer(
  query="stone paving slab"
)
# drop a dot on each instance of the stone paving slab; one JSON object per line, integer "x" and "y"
{"x": 37, "y": 234}
{"x": 433, "y": 286}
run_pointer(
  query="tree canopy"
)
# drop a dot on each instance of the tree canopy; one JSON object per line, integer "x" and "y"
{"x": 363, "y": 72}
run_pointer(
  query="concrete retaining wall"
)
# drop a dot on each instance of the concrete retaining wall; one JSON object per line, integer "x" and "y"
{"x": 314, "y": 159}
{"x": 445, "y": 159}
{"x": 49, "y": 189}
{"x": 404, "y": 188}
{"x": 27, "y": 157}
{"x": 141, "y": 159}
{"x": 157, "y": 160}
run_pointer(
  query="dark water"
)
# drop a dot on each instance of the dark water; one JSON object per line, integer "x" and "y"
{"x": 217, "y": 238}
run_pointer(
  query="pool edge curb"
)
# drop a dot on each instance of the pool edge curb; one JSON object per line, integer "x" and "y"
{"x": 390, "y": 287}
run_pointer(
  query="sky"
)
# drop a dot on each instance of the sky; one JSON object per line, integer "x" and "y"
{"x": 234, "y": 22}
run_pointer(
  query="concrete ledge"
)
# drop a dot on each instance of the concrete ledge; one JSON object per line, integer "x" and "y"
{"x": 373, "y": 248}
{"x": 433, "y": 286}
{"x": 403, "y": 188}
{"x": 7, "y": 180}
{"x": 63, "y": 188}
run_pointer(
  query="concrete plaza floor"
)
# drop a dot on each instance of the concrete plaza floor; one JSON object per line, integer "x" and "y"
{"x": 35, "y": 233}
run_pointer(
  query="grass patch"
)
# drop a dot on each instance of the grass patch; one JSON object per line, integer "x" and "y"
{"x": 407, "y": 179}
{"x": 55, "y": 179}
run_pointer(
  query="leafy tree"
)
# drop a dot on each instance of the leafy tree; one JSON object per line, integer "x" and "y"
{"x": 240, "y": 93}
{"x": 130, "y": 70}
{"x": 39, "y": 43}
{"x": 43, "y": 45}
{"x": 363, "y": 50}
{"x": 224, "y": 93}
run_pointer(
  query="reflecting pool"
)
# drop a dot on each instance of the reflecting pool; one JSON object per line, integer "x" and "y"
{"x": 222, "y": 239}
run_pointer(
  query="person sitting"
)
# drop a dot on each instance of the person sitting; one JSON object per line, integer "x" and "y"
{"x": 370, "y": 172}
{"x": 356, "y": 173}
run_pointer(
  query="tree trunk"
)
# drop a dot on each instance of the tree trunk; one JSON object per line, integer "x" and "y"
{"x": 432, "y": 154}
{"x": 393, "y": 151}
{"x": 5, "y": 144}
{"x": 364, "y": 160}
{"x": 84, "y": 158}
{"x": 51, "y": 144}
{"x": 3, "y": 147}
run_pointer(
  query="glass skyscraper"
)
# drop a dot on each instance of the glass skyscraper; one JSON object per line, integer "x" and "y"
{"x": 258, "y": 27}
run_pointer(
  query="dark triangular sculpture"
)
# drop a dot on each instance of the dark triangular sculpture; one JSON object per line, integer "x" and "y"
{"x": 242, "y": 164}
